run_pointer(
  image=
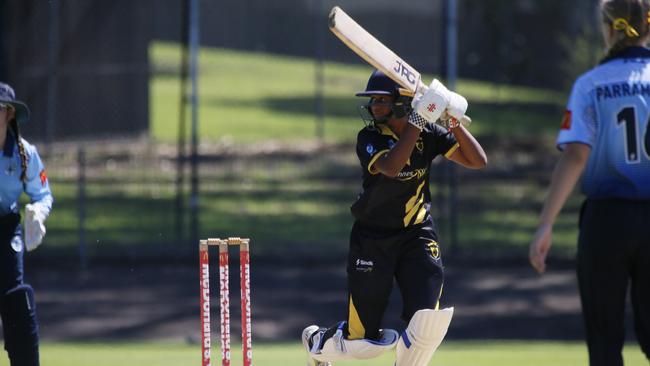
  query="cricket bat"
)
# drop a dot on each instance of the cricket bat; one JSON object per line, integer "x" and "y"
{"x": 376, "y": 53}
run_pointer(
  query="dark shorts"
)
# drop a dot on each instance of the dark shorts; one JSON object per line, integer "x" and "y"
{"x": 11, "y": 252}
{"x": 409, "y": 256}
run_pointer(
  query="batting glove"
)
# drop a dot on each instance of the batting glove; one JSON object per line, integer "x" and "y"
{"x": 455, "y": 110}
{"x": 34, "y": 226}
{"x": 432, "y": 101}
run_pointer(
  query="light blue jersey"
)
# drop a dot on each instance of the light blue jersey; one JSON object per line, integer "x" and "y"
{"x": 608, "y": 109}
{"x": 37, "y": 186}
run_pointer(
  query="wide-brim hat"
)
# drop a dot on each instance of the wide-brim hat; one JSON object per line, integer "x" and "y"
{"x": 7, "y": 96}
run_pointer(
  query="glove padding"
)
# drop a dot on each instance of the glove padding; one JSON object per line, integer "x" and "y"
{"x": 455, "y": 111}
{"x": 432, "y": 101}
{"x": 34, "y": 226}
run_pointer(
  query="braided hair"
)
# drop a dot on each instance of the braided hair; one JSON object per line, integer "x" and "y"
{"x": 13, "y": 124}
{"x": 631, "y": 20}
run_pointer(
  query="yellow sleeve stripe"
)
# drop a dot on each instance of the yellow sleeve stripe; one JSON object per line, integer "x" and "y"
{"x": 374, "y": 159}
{"x": 452, "y": 150}
{"x": 355, "y": 327}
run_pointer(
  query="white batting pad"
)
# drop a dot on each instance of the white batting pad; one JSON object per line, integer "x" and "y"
{"x": 425, "y": 332}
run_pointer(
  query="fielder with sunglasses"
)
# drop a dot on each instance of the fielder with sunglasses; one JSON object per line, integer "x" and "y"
{"x": 21, "y": 170}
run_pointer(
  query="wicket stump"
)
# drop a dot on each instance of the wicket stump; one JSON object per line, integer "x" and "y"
{"x": 224, "y": 299}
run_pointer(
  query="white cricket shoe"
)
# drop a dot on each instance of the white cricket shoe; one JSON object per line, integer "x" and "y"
{"x": 307, "y": 339}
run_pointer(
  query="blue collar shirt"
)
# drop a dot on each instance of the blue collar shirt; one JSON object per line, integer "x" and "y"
{"x": 36, "y": 186}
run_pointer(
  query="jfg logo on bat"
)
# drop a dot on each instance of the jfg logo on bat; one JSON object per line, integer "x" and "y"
{"x": 403, "y": 70}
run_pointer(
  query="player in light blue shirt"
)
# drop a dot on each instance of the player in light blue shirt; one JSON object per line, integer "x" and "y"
{"x": 605, "y": 133}
{"x": 21, "y": 170}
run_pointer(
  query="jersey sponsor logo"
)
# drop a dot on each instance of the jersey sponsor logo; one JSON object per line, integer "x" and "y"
{"x": 620, "y": 90}
{"x": 416, "y": 173}
{"x": 566, "y": 120}
{"x": 370, "y": 149}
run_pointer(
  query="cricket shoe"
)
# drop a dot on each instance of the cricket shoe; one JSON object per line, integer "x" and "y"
{"x": 310, "y": 337}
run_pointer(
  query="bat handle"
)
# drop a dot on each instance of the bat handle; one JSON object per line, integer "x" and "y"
{"x": 420, "y": 87}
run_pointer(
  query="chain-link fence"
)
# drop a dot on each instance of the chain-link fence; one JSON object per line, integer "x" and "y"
{"x": 119, "y": 201}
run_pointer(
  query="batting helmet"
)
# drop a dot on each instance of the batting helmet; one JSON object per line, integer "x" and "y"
{"x": 380, "y": 84}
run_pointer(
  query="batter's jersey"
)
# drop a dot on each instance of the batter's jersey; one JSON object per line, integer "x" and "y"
{"x": 404, "y": 200}
{"x": 608, "y": 109}
{"x": 11, "y": 187}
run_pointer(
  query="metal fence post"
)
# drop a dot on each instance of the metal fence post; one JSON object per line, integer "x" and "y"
{"x": 319, "y": 78}
{"x": 81, "y": 201}
{"x": 52, "y": 71}
{"x": 182, "y": 127}
{"x": 194, "y": 33}
{"x": 452, "y": 43}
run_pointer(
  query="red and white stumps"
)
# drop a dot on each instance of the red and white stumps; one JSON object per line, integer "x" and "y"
{"x": 245, "y": 285}
{"x": 224, "y": 299}
{"x": 204, "y": 298}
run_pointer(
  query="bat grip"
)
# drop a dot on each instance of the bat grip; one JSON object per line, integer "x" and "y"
{"x": 465, "y": 121}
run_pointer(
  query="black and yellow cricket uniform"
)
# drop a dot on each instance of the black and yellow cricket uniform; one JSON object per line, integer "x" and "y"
{"x": 393, "y": 236}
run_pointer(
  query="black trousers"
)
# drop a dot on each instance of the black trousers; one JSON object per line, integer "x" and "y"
{"x": 614, "y": 254}
{"x": 410, "y": 256}
{"x": 11, "y": 252}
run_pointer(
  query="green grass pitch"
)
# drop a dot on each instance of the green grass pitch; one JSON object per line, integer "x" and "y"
{"x": 454, "y": 353}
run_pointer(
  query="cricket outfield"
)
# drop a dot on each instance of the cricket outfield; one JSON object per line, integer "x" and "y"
{"x": 149, "y": 314}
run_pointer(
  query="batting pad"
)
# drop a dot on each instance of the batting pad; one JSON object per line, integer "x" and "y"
{"x": 425, "y": 332}
{"x": 338, "y": 348}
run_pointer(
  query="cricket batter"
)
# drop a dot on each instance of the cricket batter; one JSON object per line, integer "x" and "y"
{"x": 21, "y": 171}
{"x": 606, "y": 130}
{"x": 393, "y": 236}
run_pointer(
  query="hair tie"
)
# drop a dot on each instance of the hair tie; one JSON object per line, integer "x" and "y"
{"x": 622, "y": 24}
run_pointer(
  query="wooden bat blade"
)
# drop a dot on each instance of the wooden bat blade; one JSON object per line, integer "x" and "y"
{"x": 373, "y": 51}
